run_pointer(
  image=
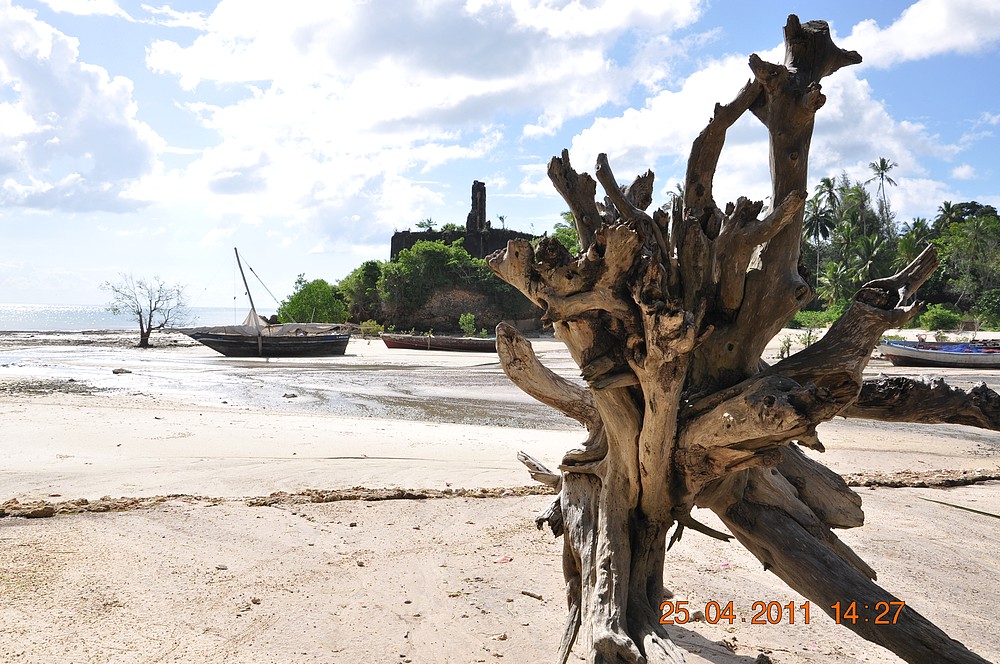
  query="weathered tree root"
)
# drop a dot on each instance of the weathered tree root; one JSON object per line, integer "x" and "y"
{"x": 667, "y": 317}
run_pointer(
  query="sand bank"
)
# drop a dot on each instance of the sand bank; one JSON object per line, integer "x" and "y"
{"x": 232, "y": 572}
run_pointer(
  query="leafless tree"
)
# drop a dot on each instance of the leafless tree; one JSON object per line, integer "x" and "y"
{"x": 152, "y": 303}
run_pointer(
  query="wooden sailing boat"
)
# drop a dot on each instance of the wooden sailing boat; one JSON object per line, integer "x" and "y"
{"x": 258, "y": 338}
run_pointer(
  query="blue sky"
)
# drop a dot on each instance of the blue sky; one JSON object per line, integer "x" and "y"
{"x": 151, "y": 139}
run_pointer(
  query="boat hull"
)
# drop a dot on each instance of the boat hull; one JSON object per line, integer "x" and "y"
{"x": 454, "y": 344}
{"x": 241, "y": 346}
{"x": 921, "y": 354}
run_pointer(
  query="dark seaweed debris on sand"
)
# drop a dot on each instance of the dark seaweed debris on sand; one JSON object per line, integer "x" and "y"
{"x": 38, "y": 386}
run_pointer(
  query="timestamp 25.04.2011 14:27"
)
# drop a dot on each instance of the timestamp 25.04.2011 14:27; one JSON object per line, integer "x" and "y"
{"x": 678, "y": 612}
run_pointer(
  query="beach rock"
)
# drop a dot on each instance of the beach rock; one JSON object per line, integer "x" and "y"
{"x": 42, "y": 512}
{"x": 121, "y": 371}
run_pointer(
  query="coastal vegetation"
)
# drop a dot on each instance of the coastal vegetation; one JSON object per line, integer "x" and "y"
{"x": 851, "y": 235}
{"x": 153, "y": 304}
{"x": 430, "y": 286}
{"x": 313, "y": 301}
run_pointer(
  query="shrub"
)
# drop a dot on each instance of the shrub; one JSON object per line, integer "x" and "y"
{"x": 371, "y": 328}
{"x": 940, "y": 317}
{"x": 467, "y": 323}
{"x": 810, "y": 319}
{"x": 809, "y": 337}
{"x": 818, "y": 318}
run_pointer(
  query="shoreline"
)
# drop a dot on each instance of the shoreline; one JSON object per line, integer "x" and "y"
{"x": 178, "y": 418}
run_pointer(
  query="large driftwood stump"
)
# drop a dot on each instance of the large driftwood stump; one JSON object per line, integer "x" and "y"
{"x": 668, "y": 316}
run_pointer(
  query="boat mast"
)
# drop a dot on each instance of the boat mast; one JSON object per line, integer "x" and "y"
{"x": 253, "y": 310}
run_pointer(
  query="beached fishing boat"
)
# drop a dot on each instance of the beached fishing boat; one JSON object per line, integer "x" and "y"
{"x": 281, "y": 340}
{"x": 257, "y": 337}
{"x": 430, "y": 342}
{"x": 972, "y": 355}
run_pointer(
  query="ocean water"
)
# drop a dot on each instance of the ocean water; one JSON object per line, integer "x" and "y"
{"x": 75, "y": 317}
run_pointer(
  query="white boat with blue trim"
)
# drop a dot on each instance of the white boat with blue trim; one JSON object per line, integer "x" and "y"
{"x": 965, "y": 355}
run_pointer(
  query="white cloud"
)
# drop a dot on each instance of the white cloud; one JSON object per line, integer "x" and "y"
{"x": 73, "y": 141}
{"x": 852, "y": 129}
{"x": 919, "y": 197}
{"x": 575, "y": 19}
{"x": 964, "y": 172}
{"x": 928, "y": 28}
{"x": 88, "y": 8}
{"x": 171, "y": 18}
{"x": 992, "y": 119}
{"x": 345, "y": 103}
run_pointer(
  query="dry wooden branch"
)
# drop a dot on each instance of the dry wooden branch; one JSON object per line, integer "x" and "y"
{"x": 578, "y": 191}
{"x": 521, "y": 365}
{"x": 929, "y": 401}
{"x": 825, "y": 576}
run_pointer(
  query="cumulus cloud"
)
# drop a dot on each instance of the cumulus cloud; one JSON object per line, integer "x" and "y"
{"x": 853, "y": 129}
{"x": 928, "y": 28}
{"x": 574, "y": 19}
{"x": 350, "y": 102}
{"x": 73, "y": 141}
{"x": 964, "y": 172}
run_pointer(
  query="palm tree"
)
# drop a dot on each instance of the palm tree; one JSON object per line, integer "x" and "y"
{"x": 920, "y": 229}
{"x": 880, "y": 170}
{"x": 845, "y": 237}
{"x": 916, "y": 236}
{"x": 868, "y": 257}
{"x": 826, "y": 192}
{"x": 908, "y": 248}
{"x": 818, "y": 222}
{"x": 836, "y": 283}
{"x": 947, "y": 215}
{"x": 855, "y": 206}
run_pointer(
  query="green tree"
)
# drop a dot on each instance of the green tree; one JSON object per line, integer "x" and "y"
{"x": 987, "y": 309}
{"x": 565, "y": 233}
{"x": 880, "y": 173}
{"x": 970, "y": 251}
{"x": 360, "y": 289}
{"x": 313, "y": 301}
{"x": 870, "y": 259}
{"x": 947, "y": 215}
{"x": 916, "y": 236}
{"x": 153, "y": 304}
{"x": 856, "y": 207}
{"x": 426, "y": 224}
{"x": 836, "y": 284}
{"x": 826, "y": 192}
{"x": 819, "y": 223}
{"x": 408, "y": 281}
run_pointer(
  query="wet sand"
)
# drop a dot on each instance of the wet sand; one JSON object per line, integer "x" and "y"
{"x": 241, "y": 536}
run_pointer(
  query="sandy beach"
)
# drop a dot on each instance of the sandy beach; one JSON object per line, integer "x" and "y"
{"x": 370, "y": 508}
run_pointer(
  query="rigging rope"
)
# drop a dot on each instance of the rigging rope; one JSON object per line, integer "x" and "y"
{"x": 276, "y": 301}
